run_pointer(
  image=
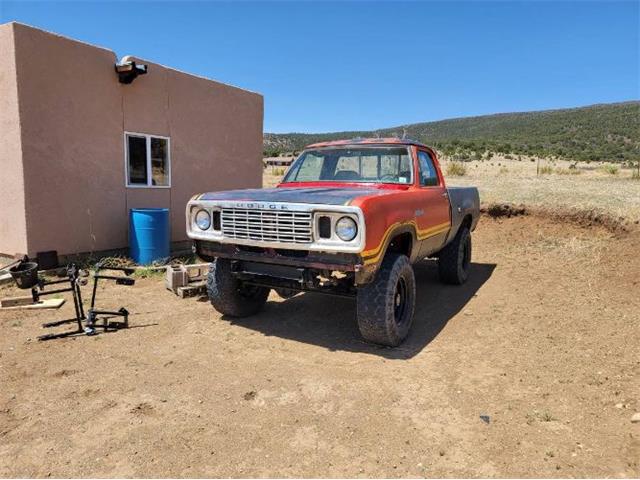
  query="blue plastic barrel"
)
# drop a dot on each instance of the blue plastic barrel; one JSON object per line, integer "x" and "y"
{"x": 149, "y": 235}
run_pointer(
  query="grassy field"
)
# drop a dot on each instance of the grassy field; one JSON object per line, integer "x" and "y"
{"x": 596, "y": 186}
{"x": 599, "y": 187}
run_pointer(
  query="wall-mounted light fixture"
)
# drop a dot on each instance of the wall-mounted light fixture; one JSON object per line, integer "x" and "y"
{"x": 128, "y": 70}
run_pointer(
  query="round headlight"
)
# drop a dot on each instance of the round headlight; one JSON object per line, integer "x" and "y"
{"x": 203, "y": 219}
{"x": 346, "y": 229}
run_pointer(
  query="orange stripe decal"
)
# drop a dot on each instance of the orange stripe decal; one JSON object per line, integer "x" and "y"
{"x": 372, "y": 255}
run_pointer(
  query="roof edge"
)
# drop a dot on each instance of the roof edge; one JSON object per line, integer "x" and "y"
{"x": 115, "y": 57}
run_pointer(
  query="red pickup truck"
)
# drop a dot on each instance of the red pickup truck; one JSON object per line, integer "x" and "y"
{"x": 349, "y": 218}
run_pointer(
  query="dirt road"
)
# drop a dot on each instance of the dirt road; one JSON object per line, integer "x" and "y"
{"x": 543, "y": 342}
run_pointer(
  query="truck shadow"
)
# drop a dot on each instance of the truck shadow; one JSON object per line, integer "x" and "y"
{"x": 330, "y": 322}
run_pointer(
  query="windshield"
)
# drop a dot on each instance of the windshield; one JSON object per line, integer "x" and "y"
{"x": 362, "y": 165}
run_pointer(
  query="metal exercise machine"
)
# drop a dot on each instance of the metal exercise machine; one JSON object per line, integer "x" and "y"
{"x": 25, "y": 274}
{"x": 93, "y": 312}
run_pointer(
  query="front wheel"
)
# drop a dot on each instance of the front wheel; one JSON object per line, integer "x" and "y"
{"x": 386, "y": 305}
{"x": 230, "y": 296}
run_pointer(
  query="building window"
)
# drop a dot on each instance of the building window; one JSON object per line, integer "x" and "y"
{"x": 147, "y": 160}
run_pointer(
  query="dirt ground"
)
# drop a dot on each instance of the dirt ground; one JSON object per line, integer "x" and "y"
{"x": 543, "y": 342}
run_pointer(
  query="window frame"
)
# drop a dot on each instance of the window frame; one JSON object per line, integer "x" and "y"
{"x": 294, "y": 169}
{"x": 433, "y": 164}
{"x": 147, "y": 137}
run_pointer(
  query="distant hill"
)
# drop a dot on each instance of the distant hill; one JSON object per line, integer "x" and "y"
{"x": 608, "y": 132}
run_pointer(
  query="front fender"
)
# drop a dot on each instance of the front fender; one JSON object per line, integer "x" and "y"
{"x": 372, "y": 258}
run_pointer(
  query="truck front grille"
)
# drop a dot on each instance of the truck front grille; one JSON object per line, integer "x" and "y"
{"x": 267, "y": 225}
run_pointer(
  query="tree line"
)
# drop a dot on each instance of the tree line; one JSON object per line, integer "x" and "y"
{"x": 608, "y": 132}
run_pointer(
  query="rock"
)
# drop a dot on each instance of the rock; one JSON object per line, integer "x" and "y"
{"x": 619, "y": 405}
{"x": 635, "y": 418}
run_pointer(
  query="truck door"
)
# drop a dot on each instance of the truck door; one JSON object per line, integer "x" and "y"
{"x": 434, "y": 221}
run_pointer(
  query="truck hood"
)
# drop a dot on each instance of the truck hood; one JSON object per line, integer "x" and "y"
{"x": 318, "y": 195}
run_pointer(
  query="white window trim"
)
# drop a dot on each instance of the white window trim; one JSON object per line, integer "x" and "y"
{"x": 147, "y": 137}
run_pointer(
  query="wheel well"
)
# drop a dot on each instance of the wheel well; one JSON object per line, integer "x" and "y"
{"x": 401, "y": 243}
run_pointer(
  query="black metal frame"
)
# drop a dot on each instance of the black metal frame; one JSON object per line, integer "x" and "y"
{"x": 273, "y": 261}
{"x": 73, "y": 278}
{"x": 93, "y": 312}
{"x": 298, "y": 279}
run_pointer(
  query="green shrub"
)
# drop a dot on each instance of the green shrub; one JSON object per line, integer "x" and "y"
{"x": 611, "y": 169}
{"x": 456, "y": 169}
{"x": 146, "y": 272}
{"x": 545, "y": 170}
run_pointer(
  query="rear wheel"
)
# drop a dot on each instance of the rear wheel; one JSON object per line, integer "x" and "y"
{"x": 454, "y": 259}
{"x": 229, "y": 295}
{"x": 386, "y": 305}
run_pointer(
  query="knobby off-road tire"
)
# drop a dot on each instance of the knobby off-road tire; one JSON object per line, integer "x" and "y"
{"x": 455, "y": 258}
{"x": 230, "y": 296}
{"x": 387, "y": 304}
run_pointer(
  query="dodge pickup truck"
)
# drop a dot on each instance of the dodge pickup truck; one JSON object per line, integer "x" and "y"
{"x": 349, "y": 218}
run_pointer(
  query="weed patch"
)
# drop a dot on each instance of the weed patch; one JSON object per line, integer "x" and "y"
{"x": 456, "y": 169}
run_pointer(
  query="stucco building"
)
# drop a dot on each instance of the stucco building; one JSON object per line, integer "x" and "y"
{"x": 79, "y": 148}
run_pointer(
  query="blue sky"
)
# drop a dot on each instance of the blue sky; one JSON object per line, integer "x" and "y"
{"x": 325, "y": 66}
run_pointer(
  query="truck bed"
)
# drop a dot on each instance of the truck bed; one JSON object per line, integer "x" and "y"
{"x": 464, "y": 201}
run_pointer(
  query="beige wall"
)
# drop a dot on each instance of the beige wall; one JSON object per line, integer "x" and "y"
{"x": 215, "y": 131}
{"x": 13, "y": 227}
{"x": 74, "y": 114}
